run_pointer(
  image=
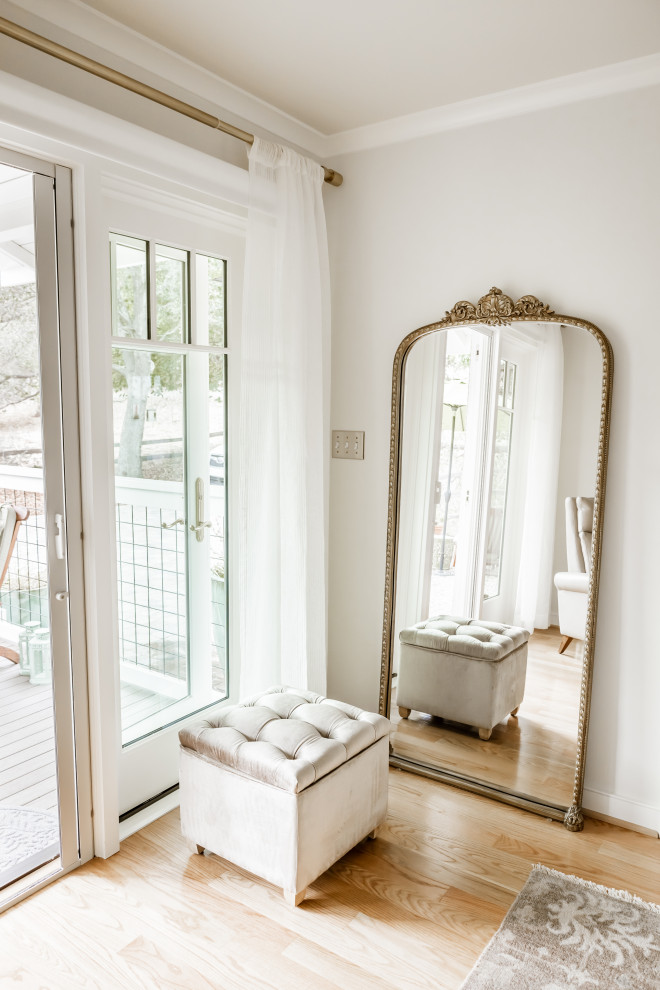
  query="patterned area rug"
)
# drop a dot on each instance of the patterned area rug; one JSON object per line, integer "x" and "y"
{"x": 28, "y": 839}
{"x": 562, "y": 933}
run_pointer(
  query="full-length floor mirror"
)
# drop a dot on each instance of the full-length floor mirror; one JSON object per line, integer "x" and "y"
{"x": 500, "y": 422}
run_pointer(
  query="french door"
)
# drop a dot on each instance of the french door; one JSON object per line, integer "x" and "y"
{"x": 172, "y": 297}
{"x": 504, "y": 497}
{"x": 45, "y": 813}
{"x": 473, "y": 540}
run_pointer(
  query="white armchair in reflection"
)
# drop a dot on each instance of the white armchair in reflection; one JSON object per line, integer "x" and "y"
{"x": 573, "y": 585}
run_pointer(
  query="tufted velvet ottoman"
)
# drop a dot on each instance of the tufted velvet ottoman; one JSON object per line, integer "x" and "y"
{"x": 284, "y": 784}
{"x": 465, "y": 670}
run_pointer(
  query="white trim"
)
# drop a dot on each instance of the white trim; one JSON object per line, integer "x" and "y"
{"x": 165, "y": 346}
{"x": 621, "y": 77}
{"x": 41, "y": 113}
{"x": 135, "y": 675}
{"x": 623, "y": 809}
{"x": 141, "y": 819}
{"x": 143, "y": 194}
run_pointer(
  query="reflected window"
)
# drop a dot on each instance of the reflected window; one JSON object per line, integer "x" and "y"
{"x": 500, "y": 482}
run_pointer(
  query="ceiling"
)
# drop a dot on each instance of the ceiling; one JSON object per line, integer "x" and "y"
{"x": 341, "y": 65}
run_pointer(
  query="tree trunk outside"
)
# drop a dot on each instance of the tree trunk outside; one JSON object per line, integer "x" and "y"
{"x": 137, "y": 368}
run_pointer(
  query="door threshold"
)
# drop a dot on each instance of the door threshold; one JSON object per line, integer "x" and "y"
{"x": 132, "y": 821}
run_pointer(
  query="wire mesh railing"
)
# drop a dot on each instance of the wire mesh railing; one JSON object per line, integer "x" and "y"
{"x": 24, "y": 593}
{"x": 151, "y": 578}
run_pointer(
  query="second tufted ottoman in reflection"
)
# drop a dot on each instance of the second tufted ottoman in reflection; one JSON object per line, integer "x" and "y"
{"x": 464, "y": 670}
{"x": 284, "y": 784}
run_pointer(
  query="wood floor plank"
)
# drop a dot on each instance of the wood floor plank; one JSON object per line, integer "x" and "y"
{"x": 411, "y": 910}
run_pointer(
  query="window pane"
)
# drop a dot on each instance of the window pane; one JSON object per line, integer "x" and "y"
{"x": 217, "y": 488}
{"x": 30, "y": 835}
{"x": 148, "y": 404}
{"x": 171, "y": 294}
{"x": 211, "y": 312}
{"x": 510, "y": 385}
{"x": 148, "y": 414}
{"x": 129, "y": 286}
{"x": 451, "y": 480}
{"x": 497, "y": 510}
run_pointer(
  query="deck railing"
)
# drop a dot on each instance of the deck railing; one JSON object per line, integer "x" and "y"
{"x": 151, "y": 571}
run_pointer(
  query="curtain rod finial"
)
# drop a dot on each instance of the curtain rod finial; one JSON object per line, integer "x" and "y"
{"x": 332, "y": 177}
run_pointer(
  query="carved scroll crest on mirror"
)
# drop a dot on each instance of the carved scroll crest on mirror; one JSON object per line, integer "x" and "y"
{"x": 492, "y": 360}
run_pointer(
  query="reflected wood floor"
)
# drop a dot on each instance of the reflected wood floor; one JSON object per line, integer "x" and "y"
{"x": 411, "y": 910}
{"x": 533, "y": 754}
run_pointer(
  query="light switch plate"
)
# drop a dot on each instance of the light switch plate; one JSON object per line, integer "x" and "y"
{"x": 348, "y": 443}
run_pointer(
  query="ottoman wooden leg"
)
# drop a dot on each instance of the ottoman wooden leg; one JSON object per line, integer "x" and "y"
{"x": 293, "y": 898}
{"x": 516, "y": 710}
{"x": 485, "y": 734}
{"x": 404, "y": 712}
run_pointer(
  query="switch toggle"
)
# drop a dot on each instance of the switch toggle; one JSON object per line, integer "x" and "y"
{"x": 348, "y": 443}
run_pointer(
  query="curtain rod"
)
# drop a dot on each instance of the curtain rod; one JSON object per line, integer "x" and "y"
{"x": 42, "y": 44}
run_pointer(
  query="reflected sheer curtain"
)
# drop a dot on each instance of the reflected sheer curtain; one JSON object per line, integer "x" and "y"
{"x": 420, "y": 455}
{"x": 284, "y": 429}
{"x": 532, "y": 609}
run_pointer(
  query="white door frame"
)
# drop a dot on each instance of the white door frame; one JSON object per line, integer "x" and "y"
{"x": 108, "y": 155}
{"x": 178, "y": 222}
{"x": 54, "y": 267}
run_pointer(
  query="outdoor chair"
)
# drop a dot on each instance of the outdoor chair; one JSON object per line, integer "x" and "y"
{"x": 11, "y": 517}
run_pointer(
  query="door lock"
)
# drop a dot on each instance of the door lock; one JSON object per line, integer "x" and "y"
{"x": 200, "y": 525}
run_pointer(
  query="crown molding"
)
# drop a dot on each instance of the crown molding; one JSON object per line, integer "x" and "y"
{"x": 69, "y": 22}
{"x": 620, "y": 77}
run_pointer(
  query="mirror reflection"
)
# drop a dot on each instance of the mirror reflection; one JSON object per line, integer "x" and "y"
{"x": 499, "y": 448}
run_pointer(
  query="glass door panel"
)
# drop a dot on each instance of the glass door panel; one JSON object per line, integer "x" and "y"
{"x": 217, "y": 516}
{"x": 149, "y": 429}
{"x": 169, "y": 442}
{"x": 38, "y": 801}
{"x": 500, "y": 480}
{"x": 460, "y": 438}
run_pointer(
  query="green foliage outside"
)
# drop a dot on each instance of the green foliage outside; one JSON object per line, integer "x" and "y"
{"x": 140, "y": 377}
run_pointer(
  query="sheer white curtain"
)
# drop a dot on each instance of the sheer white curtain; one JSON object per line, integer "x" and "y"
{"x": 532, "y": 609}
{"x": 420, "y": 456}
{"x": 284, "y": 429}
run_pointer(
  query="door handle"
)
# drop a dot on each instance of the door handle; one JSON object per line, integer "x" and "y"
{"x": 177, "y": 522}
{"x": 59, "y": 536}
{"x": 200, "y": 525}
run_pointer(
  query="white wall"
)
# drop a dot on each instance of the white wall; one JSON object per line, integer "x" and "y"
{"x": 564, "y": 204}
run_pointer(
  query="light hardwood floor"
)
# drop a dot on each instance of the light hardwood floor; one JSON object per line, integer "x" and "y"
{"x": 411, "y": 910}
{"x": 533, "y": 754}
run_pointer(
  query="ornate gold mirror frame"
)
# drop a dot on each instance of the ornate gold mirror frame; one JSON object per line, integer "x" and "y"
{"x": 498, "y": 309}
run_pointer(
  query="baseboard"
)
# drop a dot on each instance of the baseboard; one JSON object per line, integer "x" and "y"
{"x": 145, "y": 816}
{"x": 621, "y": 811}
